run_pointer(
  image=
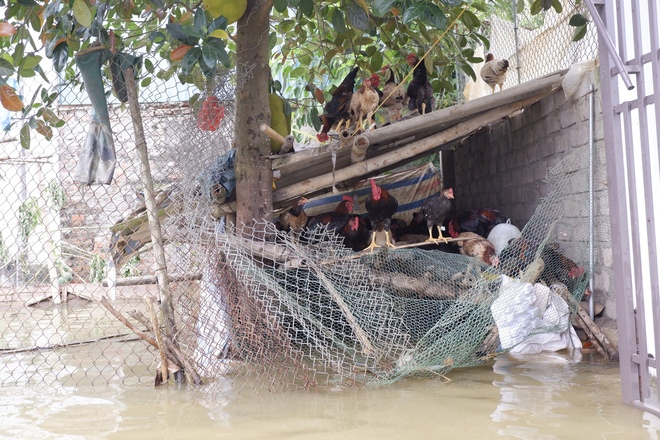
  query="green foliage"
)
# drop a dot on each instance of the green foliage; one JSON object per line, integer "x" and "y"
{"x": 29, "y": 217}
{"x": 130, "y": 269}
{"x": 97, "y": 269}
{"x": 56, "y": 194}
{"x": 313, "y": 43}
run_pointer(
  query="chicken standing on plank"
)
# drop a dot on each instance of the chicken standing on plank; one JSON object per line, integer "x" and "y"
{"x": 336, "y": 110}
{"x": 494, "y": 72}
{"x": 420, "y": 92}
{"x": 394, "y": 98}
{"x": 380, "y": 206}
{"x": 294, "y": 219}
{"x": 478, "y": 247}
{"x": 435, "y": 210}
{"x": 364, "y": 102}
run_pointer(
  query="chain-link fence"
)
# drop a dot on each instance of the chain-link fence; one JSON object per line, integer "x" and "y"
{"x": 300, "y": 311}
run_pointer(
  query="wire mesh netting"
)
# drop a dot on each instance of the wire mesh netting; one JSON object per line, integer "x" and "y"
{"x": 252, "y": 312}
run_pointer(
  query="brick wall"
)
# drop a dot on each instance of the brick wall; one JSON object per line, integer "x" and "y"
{"x": 504, "y": 167}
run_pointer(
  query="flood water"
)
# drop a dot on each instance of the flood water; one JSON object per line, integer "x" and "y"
{"x": 547, "y": 396}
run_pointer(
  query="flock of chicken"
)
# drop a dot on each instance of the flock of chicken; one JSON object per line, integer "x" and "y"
{"x": 360, "y": 232}
{"x": 349, "y": 107}
{"x": 469, "y": 229}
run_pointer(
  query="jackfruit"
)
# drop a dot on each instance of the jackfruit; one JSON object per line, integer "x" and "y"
{"x": 232, "y": 10}
{"x": 279, "y": 120}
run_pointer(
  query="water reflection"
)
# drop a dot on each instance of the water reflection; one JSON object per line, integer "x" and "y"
{"x": 548, "y": 396}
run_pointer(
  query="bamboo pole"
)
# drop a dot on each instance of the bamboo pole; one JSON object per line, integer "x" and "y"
{"x": 266, "y": 129}
{"x": 151, "y": 279}
{"x": 376, "y": 163}
{"x": 359, "y": 150}
{"x": 150, "y": 202}
{"x": 159, "y": 340}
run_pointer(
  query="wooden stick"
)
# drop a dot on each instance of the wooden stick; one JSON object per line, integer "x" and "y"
{"x": 150, "y": 202}
{"x": 174, "y": 352}
{"x": 367, "y": 346}
{"x": 602, "y": 344}
{"x": 151, "y": 279}
{"x": 271, "y": 133}
{"x": 105, "y": 303}
{"x": 164, "y": 371}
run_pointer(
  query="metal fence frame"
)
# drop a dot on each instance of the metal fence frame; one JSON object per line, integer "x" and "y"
{"x": 630, "y": 125}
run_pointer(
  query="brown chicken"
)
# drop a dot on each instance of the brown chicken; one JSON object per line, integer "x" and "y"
{"x": 494, "y": 71}
{"x": 380, "y": 206}
{"x": 334, "y": 220}
{"x": 336, "y": 110}
{"x": 478, "y": 247}
{"x": 435, "y": 210}
{"x": 559, "y": 268}
{"x": 420, "y": 91}
{"x": 364, "y": 103}
{"x": 394, "y": 98}
{"x": 294, "y": 219}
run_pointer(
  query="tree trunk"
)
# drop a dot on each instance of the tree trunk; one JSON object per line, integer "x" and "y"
{"x": 254, "y": 177}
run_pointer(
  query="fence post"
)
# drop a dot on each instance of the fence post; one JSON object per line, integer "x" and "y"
{"x": 150, "y": 202}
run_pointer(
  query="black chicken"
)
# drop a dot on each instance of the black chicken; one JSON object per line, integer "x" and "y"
{"x": 334, "y": 220}
{"x": 420, "y": 91}
{"x": 434, "y": 210}
{"x": 336, "y": 110}
{"x": 380, "y": 206}
{"x": 356, "y": 233}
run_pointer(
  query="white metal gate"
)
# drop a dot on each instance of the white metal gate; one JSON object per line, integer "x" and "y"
{"x": 630, "y": 77}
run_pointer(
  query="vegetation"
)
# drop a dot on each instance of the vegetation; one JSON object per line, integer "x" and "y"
{"x": 309, "y": 46}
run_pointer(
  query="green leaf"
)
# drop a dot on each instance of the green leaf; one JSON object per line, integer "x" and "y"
{"x": 60, "y": 56}
{"x": 470, "y": 20}
{"x": 280, "y": 5}
{"x": 452, "y": 3}
{"x": 536, "y": 7}
{"x": 51, "y": 9}
{"x": 25, "y": 136}
{"x": 28, "y": 3}
{"x": 190, "y": 59}
{"x": 338, "y": 21}
{"x": 82, "y": 13}
{"x": 30, "y": 61}
{"x": 182, "y": 35}
{"x": 520, "y": 6}
{"x": 218, "y": 23}
{"x": 376, "y": 61}
{"x": 557, "y": 6}
{"x": 200, "y": 19}
{"x": 414, "y": 12}
{"x": 381, "y": 7}
{"x": 579, "y": 33}
{"x": 578, "y": 20}
{"x": 356, "y": 16}
{"x": 210, "y": 55}
{"x": 307, "y": 7}
{"x": 434, "y": 16}
{"x": 6, "y": 68}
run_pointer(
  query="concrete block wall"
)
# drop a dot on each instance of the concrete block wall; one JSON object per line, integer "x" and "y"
{"x": 504, "y": 167}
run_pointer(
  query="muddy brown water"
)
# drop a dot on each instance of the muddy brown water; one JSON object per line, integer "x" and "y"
{"x": 546, "y": 396}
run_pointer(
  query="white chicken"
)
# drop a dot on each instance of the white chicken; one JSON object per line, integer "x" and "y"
{"x": 494, "y": 71}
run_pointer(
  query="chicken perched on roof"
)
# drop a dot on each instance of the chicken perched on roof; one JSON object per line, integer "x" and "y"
{"x": 336, "y": 110}
{"x": 494, "y": 71}
{"x": 364, "y": 103}
{"x": 420, "y": 91}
